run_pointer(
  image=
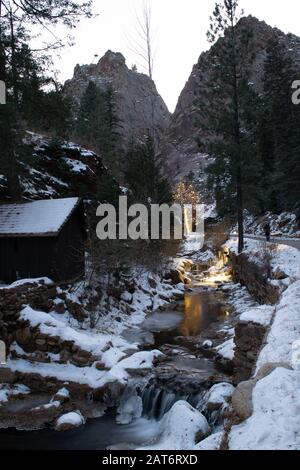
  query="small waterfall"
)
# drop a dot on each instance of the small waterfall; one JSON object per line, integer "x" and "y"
{"x": 157, "y": 402}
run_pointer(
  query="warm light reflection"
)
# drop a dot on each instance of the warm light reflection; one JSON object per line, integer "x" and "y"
{"x": 193, "y": 313}
{"x": 214, "y": 279}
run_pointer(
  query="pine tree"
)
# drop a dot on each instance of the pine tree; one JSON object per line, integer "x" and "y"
{"x": 143, "y": 174}
{"x": 280, "y": 140}
{"x": 20, "y": 72}
{"x": 98, "y": 125}
{"x": 230, "y": 139}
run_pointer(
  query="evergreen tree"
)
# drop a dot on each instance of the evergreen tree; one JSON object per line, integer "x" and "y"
{"x": 98, "y": 125}
{"x": 143, "y": 174}
{"x": 20, "y": 71}
{"x": 280, "y": 138}
{"x": 227, "y": 90}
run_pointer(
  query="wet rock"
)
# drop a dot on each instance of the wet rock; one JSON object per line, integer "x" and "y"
{"x": 224, "y": 364}
{"x": 7, "y": 376}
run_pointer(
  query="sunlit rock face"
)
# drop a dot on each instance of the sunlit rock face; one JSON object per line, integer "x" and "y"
{"x": 140, "y": 107}
{"x": 182, "y": 152}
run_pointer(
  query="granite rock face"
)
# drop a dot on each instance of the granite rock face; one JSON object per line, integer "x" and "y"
{"x": 182, "y": 153}
{"x": 140, "y": 107}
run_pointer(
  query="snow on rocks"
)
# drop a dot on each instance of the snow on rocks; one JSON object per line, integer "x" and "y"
{"x": 218, "y": 395}
{"x": 226, "y": 350}
{"x": 91, "y": 377}
{"x": 261, "y": 315}
{"x": 137, "y": 364}
{"x": 8, "y": 391}
{"x": 38, "y": 281}
{"x": 95, "y": 343}
{"x": 69, "y": 421}
{"x": 181, "y": 428}
{"x": 275, "y": 422}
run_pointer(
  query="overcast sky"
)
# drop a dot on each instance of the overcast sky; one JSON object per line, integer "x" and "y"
{"x": 180, "y": 37}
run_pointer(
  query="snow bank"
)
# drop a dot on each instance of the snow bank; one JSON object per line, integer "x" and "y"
{"x": 212, "y": 442}
{"x": 275, "y": 423}
{"x": 282, "y": 257}
{"x": 285, "y": 329}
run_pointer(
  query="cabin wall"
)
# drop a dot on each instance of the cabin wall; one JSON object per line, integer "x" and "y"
{"x": 60, "y": 258}
{"x": 22, "y": 258}
{"x": 69, "y": 258}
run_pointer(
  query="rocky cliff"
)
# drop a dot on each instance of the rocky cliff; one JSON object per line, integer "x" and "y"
{"x": 139, "y": 105}
{"x": 181, "y": 151}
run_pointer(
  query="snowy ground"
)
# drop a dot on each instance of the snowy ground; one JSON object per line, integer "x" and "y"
{"x": 275, "y": 422}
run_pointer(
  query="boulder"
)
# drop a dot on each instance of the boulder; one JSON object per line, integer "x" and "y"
{"x": 242, "y": 399}
{"x": 218, "y": 395}
{"x": 69, "y": 421}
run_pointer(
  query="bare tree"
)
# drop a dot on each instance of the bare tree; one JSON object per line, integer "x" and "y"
{"x": 142, "y": 45}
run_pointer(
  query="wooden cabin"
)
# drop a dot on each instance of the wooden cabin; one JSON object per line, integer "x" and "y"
{"x": 42, "y": 238}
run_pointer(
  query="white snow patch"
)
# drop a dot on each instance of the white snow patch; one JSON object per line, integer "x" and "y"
{"x": 179, "y": 428}
{"x": 275, "y": 423}
{"x": 41, "y": 280}
{"x": 261, "y": 315}
{"x": 226, "y": 349}
{"x": 74, "y": 419}
{"x": 285, "y": 329}
{"x": 212, "y": 442}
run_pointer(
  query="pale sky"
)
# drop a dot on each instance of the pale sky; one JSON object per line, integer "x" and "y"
{"x": 180, "y": 26}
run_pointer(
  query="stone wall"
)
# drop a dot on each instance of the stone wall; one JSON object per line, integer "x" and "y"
{"x": 43, "y": 298}
{"x": 249, "y": 338}
{"x": 255, "y": 277}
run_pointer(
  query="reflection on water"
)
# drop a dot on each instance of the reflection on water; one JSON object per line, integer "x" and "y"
{"x": 193, "y": 316}
{"x": 200, "y": 310}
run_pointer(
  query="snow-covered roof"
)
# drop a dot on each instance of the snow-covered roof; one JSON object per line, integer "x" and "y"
{"x": 36, "y": 218}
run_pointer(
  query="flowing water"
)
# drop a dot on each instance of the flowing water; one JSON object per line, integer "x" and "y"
{"x": 194, "y": 315}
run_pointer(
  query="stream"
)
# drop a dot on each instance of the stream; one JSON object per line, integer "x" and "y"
{"x": 173, "y": 331}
